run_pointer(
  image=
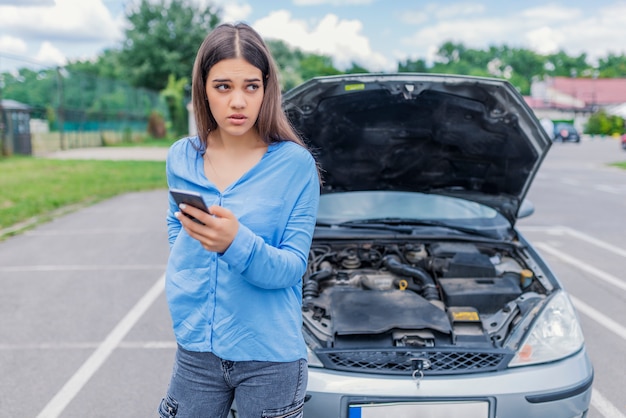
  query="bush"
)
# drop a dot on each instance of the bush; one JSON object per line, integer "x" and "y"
{"x": 601, "y": 123}
{"x": 156, "y": 125}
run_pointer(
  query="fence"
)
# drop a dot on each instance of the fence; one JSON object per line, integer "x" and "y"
{"x": 77, "y": 108}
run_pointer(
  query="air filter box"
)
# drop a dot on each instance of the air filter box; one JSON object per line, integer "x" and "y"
{"x": 483, "y": 293}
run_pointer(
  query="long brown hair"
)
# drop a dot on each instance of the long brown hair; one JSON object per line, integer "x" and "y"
{"x": 240, "y": 41}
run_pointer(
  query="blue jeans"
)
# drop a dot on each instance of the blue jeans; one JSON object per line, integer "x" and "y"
{"x": 205, "y": 386}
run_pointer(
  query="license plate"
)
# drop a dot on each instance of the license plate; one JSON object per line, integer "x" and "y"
{"x": 471, "y": 409}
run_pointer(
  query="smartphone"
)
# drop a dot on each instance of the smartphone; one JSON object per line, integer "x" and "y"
{"x": 190, "y": 198}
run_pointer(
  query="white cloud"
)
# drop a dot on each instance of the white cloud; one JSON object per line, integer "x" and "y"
{"x": 232, "y": 11}
{"x": 24, "y": 3}
{"x": 544, "y": 29}
{"x": 598, "y": 34}
{"x": 50, "y": 55}
{"x": 12, "y": 45}
{"x": 477, "y": 33}
{"x": 236, "y": 12}
{"x": 544, "y": 40}
{"x": 457, "y": 10}
{"x": 331, "y": 2}
{"x": 412, "y": 17}
{"x": 71, "y": 20}
{"x": 341, "y": 39}
{"x": 551, "y": 13}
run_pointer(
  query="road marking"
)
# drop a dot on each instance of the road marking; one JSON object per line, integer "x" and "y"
{"x": 142, "y": 345}
{"x": 604, "y": 276}
{"x": 71, "y": 388}
{"x": 598, "y": 401}
{"x": 606, "y": 408}
{"x": 90, "y": 232}
{"x": 598, "y": 243}
{"x": 600, "y": 318}
{"x": 108, "y": 267}
{"x": 562, "y": 230}
{"x": 607, "y": 188}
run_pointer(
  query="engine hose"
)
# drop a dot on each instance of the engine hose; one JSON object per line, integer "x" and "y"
{"x": 428, "y": 284}
{"x": 311, "y": 286}
{"x": 310, "y": 289}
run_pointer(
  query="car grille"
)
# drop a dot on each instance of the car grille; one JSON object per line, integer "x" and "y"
{"x": 402, "y": 362}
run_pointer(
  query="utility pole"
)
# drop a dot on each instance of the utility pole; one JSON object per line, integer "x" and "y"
{"x": 3, "y": 145}
{"x": 60, "y": 110}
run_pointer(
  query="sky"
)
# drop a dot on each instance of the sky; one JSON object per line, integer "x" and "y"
{"x": 376, "y": 34}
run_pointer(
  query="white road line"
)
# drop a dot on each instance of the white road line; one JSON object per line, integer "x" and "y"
{"x": 71, "y": 388}
{"x": 607, "y": 188}
{"x": 598, "y": 243}
{"x": 107, "y": 267}
{"x": 49, "y": 346}
{"x": 600, "y": 318}
{"x": 103, "y": 231}
{"x": 606, "y": 277}
{"x": 89, "y": 345}
{"x": 606, "y": 408}
{"x": 149, "y": 345}
{"x": 562, "y": 230}
{"x": 598, "y": 401}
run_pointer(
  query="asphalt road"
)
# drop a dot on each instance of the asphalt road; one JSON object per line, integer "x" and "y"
{"x": 579, "y": 228}
{"x": 84, "y": 327}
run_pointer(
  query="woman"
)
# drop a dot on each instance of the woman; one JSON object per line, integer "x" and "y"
{"x": 234, "y": 284}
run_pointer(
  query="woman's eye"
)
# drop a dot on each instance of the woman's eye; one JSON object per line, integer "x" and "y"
{"x": 221, "y": 87}
{"x": 253, "y": 87}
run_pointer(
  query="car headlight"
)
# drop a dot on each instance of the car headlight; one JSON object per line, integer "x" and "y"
{"x": 554, "y": 335}
{"x": 313, "y": 360}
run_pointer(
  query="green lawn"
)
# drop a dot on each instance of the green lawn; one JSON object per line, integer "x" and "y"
{"x": 32, "y": 189}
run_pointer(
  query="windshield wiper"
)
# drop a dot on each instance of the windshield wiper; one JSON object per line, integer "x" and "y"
{"x": 369, "y": 224}
{"x": 408, "y": 223}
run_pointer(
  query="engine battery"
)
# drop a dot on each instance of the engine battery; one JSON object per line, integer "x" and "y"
{"x": 483, "y": 293}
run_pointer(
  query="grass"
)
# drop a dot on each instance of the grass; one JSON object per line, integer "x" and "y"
{"x": 148, "y": 142}
{"x": 32, "y": 189}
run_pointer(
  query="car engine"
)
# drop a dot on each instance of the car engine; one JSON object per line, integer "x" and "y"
{"x": 448, "y": 295}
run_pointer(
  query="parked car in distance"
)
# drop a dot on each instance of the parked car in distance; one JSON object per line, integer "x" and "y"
{"x": 422, "y": 298}
{"x": 565, "y": 132}
{"x": 624, "y": 142}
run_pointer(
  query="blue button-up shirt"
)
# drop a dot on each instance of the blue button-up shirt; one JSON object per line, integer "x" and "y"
{"x": 245, "y": 303}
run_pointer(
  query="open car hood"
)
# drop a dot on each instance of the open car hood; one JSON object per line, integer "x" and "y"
{"x": 462, "y": 136}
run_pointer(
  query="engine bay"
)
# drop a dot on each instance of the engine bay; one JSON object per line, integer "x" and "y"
{"x": 416, "y": 294}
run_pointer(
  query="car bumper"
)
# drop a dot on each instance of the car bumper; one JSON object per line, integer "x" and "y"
{"x": 557, "y": 390}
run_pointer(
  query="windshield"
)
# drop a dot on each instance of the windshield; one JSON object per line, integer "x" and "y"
{"x": 337, "y": 208}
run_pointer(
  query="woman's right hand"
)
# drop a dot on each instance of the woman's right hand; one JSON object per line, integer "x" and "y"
{"x": 219, "y": 229}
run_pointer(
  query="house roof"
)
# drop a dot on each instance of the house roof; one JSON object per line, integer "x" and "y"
{"x": 591, "y": 91}
{"x": 9, "y": 104}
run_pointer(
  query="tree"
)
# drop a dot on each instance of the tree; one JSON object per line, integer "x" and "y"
{"x": 409, "y": 66}
{"x": 356, "y": 69}
{"x": 296, "y": 66}
{"x": 162, "y": 40}
{"x": 174, "y": 95}
{"x": 313, "y": 65}
{"x": 612, "y": 66}
{"x": 561, "y": 64}
{"x": 288, "y": 62}
{"x": 107, "y": 65}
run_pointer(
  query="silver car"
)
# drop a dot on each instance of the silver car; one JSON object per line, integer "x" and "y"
{"x": 422, "y": 299}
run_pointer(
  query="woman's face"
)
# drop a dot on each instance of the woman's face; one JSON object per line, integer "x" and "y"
{"x": 234, "y": 88}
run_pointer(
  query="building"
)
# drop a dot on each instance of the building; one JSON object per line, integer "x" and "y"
{"x": 14, "y": 128}
{"x": 575, "y": 99}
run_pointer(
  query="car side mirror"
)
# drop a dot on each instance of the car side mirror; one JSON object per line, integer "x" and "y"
{"x": 526, "y": 209}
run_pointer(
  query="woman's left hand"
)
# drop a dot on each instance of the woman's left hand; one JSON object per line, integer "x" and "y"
{"x": 218, "y": 231}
